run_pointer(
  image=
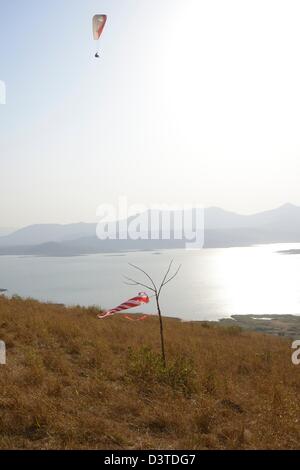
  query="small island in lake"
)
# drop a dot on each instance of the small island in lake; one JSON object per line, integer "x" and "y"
{"x": 289, "y": 252}
{"x": 280, "y": 325}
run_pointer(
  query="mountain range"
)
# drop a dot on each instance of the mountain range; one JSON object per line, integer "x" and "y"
{"x": 222, "y": 229}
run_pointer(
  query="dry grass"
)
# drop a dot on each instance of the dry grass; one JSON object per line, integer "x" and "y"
{"x": 73, "y": 381}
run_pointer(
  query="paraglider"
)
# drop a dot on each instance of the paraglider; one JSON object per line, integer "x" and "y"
{"x": 98, "y": 26}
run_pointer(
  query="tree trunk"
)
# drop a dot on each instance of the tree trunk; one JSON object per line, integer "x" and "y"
{"x": 161, "y": 332}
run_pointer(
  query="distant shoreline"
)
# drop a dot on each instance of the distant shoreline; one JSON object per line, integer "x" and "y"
{"x": 278, "y": 325}
{"x": 289, "y": 252}
{"x": 30, "y": 251}
{"x": 286, "y": 325}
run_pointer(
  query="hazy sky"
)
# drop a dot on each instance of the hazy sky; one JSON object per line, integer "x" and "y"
{"x": 191, "y": 101}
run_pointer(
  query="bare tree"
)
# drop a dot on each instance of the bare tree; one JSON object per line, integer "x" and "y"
{"x": 157, "y": 289}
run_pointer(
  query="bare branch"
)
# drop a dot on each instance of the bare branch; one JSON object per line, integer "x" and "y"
{"x": 130, "y": 283}
{"x": 165, "y": 276}
{"x": 133, "y": 282}
{"x": 146, "y": 274}
{"x": 172, "y": 277}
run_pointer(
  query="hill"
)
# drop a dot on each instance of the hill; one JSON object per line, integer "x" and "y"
{"x": 75, "y": 382}
{"x": 44, "y": 233}
{"x": 4, "y": 231}
{"x": 221, "y": 229}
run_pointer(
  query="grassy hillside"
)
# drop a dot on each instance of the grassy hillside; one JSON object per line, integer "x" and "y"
{"x": 73, "y": 381}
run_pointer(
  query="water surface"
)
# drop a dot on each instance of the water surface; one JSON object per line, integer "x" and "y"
{"x": 212, "y": 283}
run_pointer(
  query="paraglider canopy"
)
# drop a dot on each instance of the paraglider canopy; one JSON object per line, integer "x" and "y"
{"x": 98, "y": 25}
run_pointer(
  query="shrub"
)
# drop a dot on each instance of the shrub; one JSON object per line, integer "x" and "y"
{"x": 233, "y": 330}
{"x": 147, "y": 367}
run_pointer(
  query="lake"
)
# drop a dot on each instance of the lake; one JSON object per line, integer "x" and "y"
{"x": 212, "y": 283}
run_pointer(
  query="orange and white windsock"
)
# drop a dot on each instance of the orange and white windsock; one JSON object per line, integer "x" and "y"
{"x": 140, "y": 299}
